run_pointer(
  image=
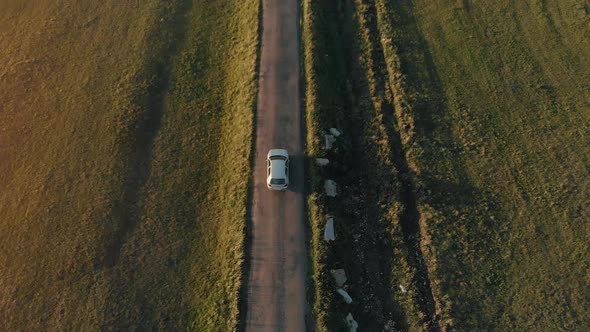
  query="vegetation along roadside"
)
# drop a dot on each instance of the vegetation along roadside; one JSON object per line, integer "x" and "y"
{"x": 374, "y": 212}
{"x": 472, "y": 117}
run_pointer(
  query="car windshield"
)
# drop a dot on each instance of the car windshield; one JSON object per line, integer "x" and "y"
{"x": 278, "y": 158}
{"x": 277, "y": 181}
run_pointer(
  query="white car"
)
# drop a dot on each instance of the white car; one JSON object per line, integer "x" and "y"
{"x": 277, "y": 169}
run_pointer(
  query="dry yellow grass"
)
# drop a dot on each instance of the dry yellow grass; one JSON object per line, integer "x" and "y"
{"x": 113, "y": 118}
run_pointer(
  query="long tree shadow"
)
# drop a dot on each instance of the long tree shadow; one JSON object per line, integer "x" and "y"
{"x": 410, "y": 216}
{"x": 456, "y": 195}
{"x": 141, "y": 130}
{"x": 247, "y": 264}
{"x": 364, "y": 246}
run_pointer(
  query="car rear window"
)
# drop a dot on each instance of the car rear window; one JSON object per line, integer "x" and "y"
{"x": 277, "y": 181}
{"x": 278, "y": 158}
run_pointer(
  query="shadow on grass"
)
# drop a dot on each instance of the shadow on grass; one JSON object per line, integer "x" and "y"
{"x": 465, "y": 211}
{"x": 363, "y": 245}
{"x": 138, "y": 137}
{"x": 246, "y": 263}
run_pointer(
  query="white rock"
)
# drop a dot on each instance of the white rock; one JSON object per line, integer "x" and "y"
{"x": 345, "y": 295}
{"x": 403, "y": 289}
{"x": 330, "y": 187}
{"x": 329, "y": 234}
{"x": 322, "y": 161}
{"x": 389, "y": 326}
{"x": 352, "y": 324}
{"x": 334, "y": 132}
{"x": 339, "y": 276}
{"x": 330, "y": 139}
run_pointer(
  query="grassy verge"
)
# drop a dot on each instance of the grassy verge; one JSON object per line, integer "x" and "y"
{"x": 344, "y": 89}
{"x": 118, "y": 208}
{"x": 491, "y": 101}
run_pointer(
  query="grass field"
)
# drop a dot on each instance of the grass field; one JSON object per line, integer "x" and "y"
{"x": 510, "y": 239}
{"x": 117, "y": 209}
{"x": 463, "y": 170}
{"x": 491, "y": 108}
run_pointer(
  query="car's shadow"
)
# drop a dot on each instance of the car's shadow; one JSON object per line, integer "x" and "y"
{"x": 296, "y": 173}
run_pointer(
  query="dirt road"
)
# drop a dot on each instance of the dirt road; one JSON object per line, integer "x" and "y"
{"x": 276, "y": 281}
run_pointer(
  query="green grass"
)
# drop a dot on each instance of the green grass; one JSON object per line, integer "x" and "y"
{"x": 482, "y": 111}
{"x": 117, "y": 208}
{"x": 495, "y": 97}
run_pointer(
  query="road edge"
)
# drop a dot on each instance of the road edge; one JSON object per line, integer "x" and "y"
{"x": 310, "y": 322}
{"x": 247, "y": 230}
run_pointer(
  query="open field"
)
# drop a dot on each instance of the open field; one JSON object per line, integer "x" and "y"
{"x": 490, "y": 107}
{"x": 118, "y": 208}
{"x": 505, "y": 162}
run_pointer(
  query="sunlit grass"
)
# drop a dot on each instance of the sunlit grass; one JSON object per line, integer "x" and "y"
{"x": 116, "y": 206}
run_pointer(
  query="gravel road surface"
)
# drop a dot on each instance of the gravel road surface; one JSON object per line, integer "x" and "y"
{"x": 276, "y": 281}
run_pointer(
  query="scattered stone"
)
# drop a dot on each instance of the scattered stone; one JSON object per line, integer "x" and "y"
{"x": 330, "y": 139}
{"x": 322, "y": 161}
{"x": 352, "y": 324}
{"x": 345, "y": 295}
{"x": 403, "y": 289}
{"x": 329, "y": 234}
{"x": 389, "y": 326}
{"x": 330, "y": 187}
{"x": 334, "y": 132}
{"x": 339, "y": 276}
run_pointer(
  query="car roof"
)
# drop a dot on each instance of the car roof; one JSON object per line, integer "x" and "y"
{"x": 277, "y": 168}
